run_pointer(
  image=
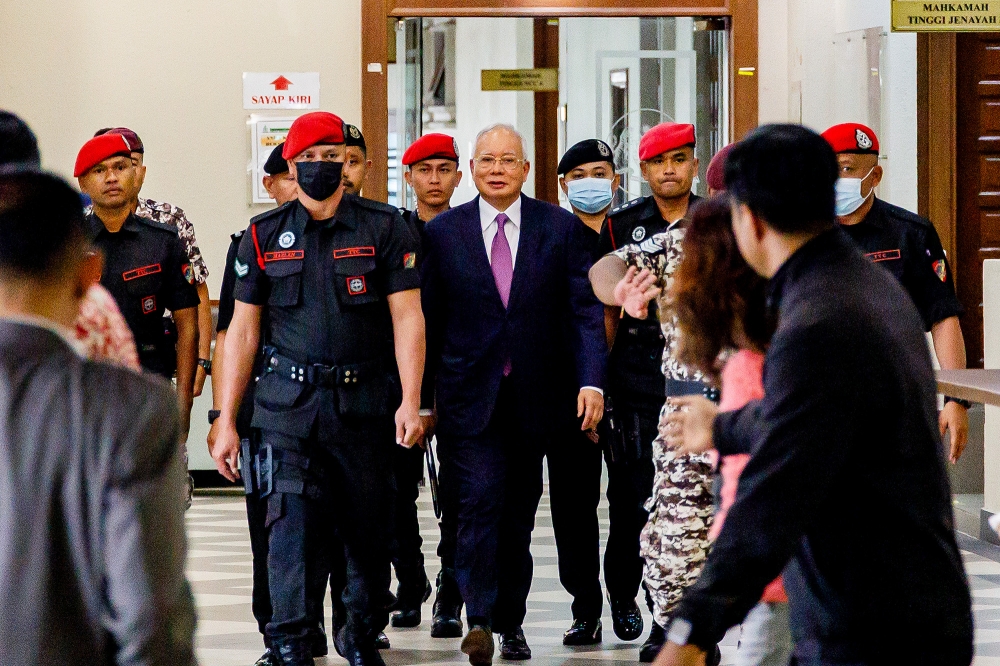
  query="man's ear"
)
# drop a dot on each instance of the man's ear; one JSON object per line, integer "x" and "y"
{"x": 616, "y": 182}
{"x": 758, "y": 225}
{"x": 877, "y": 174}
{"x": 563, "y": 185}
{"x": 408, "y": 178}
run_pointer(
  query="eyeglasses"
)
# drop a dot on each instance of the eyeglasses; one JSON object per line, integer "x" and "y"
{"x": 489, "y": 162}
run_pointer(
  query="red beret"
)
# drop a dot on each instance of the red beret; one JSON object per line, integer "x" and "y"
{"x": 664, "y": 137}
{"x": 312, "y": 128}
{"x": 852, "y": 138}
{"x": 431, "y": 146}
{"x": 99, "y": 149}
{"x": 716, "y": 173}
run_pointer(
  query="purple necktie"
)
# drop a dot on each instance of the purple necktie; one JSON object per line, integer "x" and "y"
{"x": 503, "y": 262}
{"x": 503, "y": 268}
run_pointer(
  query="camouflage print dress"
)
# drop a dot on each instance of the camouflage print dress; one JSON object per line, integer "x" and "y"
{"x": 674, "y": 541}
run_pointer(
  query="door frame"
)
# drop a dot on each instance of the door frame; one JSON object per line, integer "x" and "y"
{"x": 376, "y": 14}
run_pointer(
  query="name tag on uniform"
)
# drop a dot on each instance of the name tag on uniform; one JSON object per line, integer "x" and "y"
{"x": 285, "y": 255}
{"x": 348, "y": 252}
{"x": 137, "y": 273}
{"x": 883, "y": 255}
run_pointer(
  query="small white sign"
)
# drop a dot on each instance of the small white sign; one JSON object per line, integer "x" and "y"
{"x": 266, "y": 134}
{"x": 280, "y": 90}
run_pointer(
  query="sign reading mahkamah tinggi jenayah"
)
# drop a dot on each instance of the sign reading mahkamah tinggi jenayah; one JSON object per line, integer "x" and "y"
{"x": 919, "y": 16}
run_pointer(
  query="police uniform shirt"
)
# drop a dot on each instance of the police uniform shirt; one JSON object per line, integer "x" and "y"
{"x": 412, "y": 218}
{"x": 227, "y": 300}
{"x": 908, "y": 246}
{"x": 325, "y": 282}
{"x": 147, "y": 271}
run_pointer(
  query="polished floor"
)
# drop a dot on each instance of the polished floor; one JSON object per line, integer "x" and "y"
{"x": 219, "y": 571}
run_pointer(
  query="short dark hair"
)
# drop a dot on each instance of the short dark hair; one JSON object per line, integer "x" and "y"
{"x": 41, "y": 223}
{"x": 785, "y": 174}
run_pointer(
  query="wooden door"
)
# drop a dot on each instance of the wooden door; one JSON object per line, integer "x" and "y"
{"x": 977, "y": 228}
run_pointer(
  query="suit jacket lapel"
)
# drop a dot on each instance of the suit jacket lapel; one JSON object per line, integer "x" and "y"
{"x": 472, "y": 232}
{"x": 527, "y": 249}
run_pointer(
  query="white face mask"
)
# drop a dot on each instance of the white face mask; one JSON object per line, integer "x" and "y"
{"x": 849, "y": 197}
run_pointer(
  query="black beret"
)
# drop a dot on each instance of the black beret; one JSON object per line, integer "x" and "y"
{"x": 18, "y": 146}
{"x": 354, "y": 137}
{"x": 275, "y": 163}
{"x": 585, "y": 152}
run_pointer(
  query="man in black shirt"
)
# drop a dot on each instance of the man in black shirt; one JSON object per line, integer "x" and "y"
{"x": 145, "y": 265}
{"x": 845, "y": 475}
{"x": 636, "y": 384}
{"x": 908, "y": 246}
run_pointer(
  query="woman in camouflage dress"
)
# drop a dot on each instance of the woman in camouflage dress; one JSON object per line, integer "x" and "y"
{"x": 674, "y": 542}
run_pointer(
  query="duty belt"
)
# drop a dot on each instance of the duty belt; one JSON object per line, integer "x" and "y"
{"x": 317, "y": 374}
{"x": 680, "y": 387}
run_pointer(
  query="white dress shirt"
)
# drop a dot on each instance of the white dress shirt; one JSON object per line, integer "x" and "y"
{"x": 488, "y": 218}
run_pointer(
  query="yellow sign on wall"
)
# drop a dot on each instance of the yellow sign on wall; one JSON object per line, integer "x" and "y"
{"x": 921, "y": 16}
{"x": 524, "y": 80}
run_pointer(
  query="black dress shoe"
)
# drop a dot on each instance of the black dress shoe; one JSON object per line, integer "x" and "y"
{"x": 292, "y": 652}
{"x": 267, "y": 659}
{"x": 447, "y": 622}
{"x": 714, "y": 658}
{"x": 366, "y": 657}
{"x": 583, "y": 632}
{"x": 357, "y": 655}
{"x": 513, "y": 646}
{"x": 626, "y": 619}
{"x": 478, "y": 644}
{"x": 407, "y": 613}
{"x": 653, "y": 644}
{"x": 382, "y": 641}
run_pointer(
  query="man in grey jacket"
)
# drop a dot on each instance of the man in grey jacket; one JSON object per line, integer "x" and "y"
{"x": 91, "y": 508}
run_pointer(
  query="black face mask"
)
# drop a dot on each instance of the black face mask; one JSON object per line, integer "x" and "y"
{"x": 319, "y": 180}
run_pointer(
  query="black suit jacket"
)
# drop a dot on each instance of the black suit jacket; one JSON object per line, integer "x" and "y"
{"x": 552, "y": 329}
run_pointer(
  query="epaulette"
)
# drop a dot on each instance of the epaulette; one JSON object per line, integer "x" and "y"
{"x": 371, "y": 204}
{"x": 625, "y": 206}
{"x": 238, "y": 235}
{"x": 159, "y": 226}
{"x": 268, "y": 214}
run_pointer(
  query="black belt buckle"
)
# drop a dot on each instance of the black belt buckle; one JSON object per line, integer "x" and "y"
{"x": 322, "y": 375}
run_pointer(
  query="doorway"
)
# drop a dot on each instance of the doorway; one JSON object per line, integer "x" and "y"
{"x": 617, "y": 78}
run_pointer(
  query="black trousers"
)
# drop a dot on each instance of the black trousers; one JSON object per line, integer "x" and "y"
{"x": 448, "y": 503}
{"x": 407, "y": 557}
{"x": 321, "y": 487}
{"x": 575, "y": 468}
{"x": 497, "y": 476}
{"x": 630, "y": 485}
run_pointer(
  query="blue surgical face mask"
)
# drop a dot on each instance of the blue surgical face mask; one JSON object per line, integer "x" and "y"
{"x": 849, "y": 197}
{"x": 590, "y": 195}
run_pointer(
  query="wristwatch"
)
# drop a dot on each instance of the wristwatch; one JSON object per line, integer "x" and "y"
{"x": 212, "y": 415}
{"x": 207, "y": 364}
{"x": 957, "y": 401}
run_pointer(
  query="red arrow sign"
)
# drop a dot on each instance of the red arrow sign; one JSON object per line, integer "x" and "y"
{"x": 281, "y": 83}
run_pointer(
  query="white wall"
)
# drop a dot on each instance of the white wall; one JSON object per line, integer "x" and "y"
{"x": 797, "y": 71}
{"x": 490, "y": 43}
{"x": 172, "y": 72}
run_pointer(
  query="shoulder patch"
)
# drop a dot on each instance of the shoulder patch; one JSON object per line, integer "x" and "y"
{"x": 625, "y": 206}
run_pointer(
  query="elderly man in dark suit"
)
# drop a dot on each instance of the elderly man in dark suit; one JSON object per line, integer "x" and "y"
{"x": 91, "y": 476}
{"x": 516, "y": 360}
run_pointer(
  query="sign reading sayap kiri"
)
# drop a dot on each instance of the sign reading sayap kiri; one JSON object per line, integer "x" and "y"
{"x": 919, "y": 16}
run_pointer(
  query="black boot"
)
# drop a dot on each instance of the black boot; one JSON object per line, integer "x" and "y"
{"x": 267, "y": 659}
{"x": 292, "y": 652}
{"x": 626, "y": 619}
{"x": 651, "y": 648}
{"x": 407, "y": 613}
{"x": 357, "y": 652}
{"x": 447, "y": 621}
{"x": 583, "y": 632}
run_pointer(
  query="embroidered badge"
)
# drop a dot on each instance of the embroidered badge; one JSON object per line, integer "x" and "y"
{"x": 348, "y": 252}
{"x": 638, "y": 234}
{"x": 410, "y": 260}
{"x": 286, "y": 240}
{"x": 137, "y": 273}
{"x": 240, "y": 268}
{"x": 188, "y": 272}
{"x": 883, "y": 255}
{"x": 864, "y": 141}
{"x": 941, "y": 270}
{"x": 356, "y": 285}
{"x": 284, "y": 256}
{"x": 149, "y": 305}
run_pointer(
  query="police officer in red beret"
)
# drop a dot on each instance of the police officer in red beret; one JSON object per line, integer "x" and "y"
{"x": 908, "y": 246}
{"x": 432, "y": 171}
{"x": 333, "y": 280}
{"x": 636, "y": 384}
{"x": 145, "y": 265}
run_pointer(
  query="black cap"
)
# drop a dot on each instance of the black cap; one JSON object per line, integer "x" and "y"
{"x": 18, "y": 145}
{"x": 585, "y": 152}
{"x": 275, "y": 163}
{"x": 354, "y": 137}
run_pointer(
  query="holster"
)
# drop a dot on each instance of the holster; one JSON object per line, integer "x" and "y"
{"x": 247, "y": 467}
{"x": 613, "y": 435}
